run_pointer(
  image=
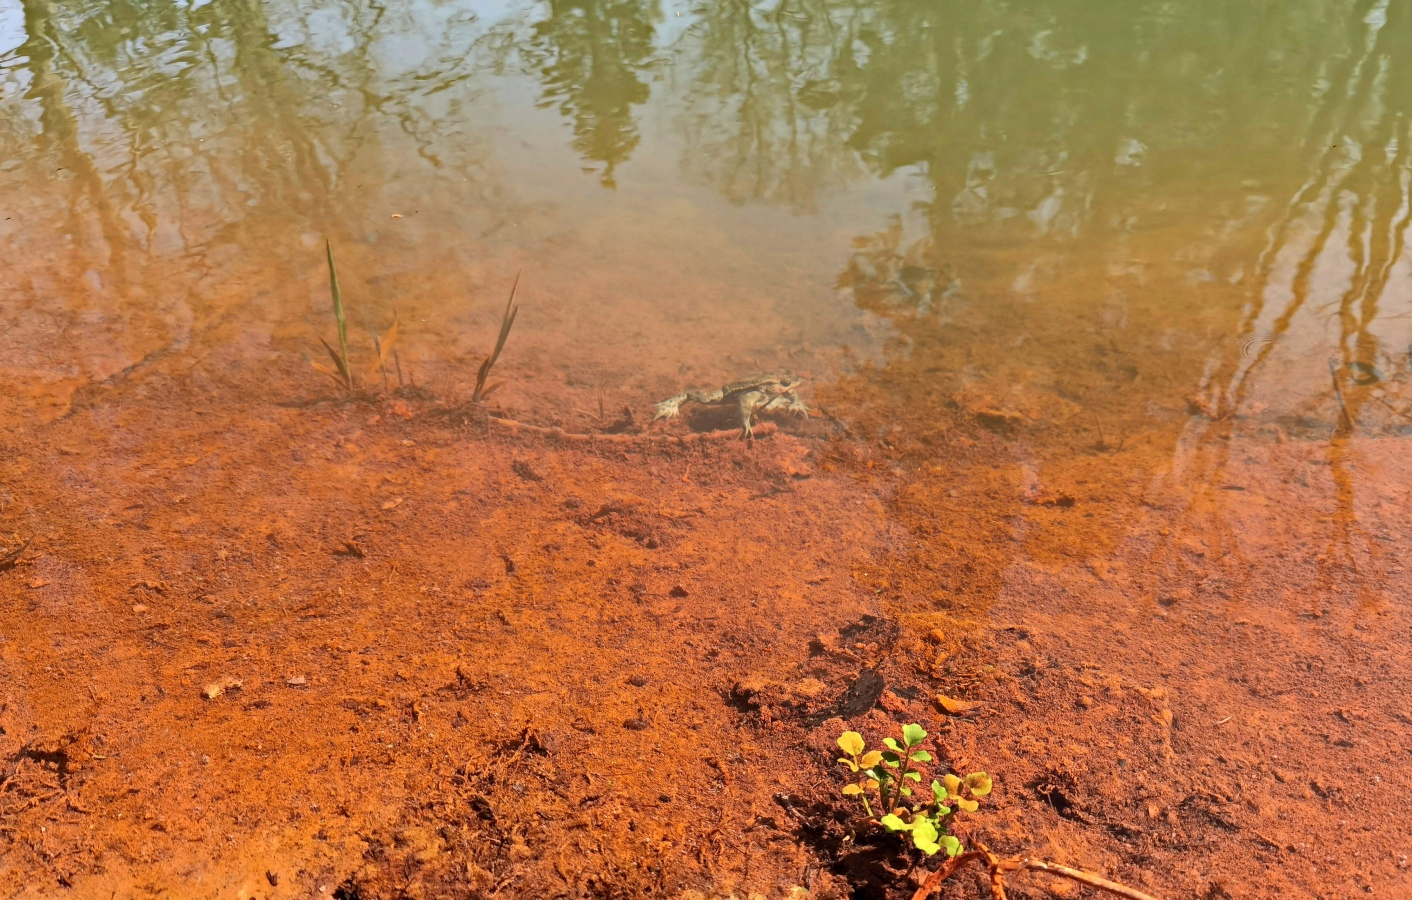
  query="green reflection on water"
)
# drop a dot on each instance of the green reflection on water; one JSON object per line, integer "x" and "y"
{"x": 1020, "y": 123}
{"x": 591, "y": 56}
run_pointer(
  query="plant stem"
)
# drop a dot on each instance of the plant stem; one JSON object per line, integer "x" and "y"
{"x": 902, "y": 772}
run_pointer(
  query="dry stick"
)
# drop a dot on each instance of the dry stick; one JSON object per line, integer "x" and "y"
{"x": 943, "y": 872}
{"x": 1338, "y": 392}
{"x": 1102, "y": 441}
{"x": 382, "y": 362}
{"x": 1094, "y": 881}
{"x": 998, "y": 867}
{"x": 761, "y": 430}
{"x": 9, "y": 558}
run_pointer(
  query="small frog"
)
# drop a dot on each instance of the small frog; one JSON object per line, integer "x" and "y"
{"x": 770, "y": 391}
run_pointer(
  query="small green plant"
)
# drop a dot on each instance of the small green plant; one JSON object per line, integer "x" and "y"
{"x": 507, "y": 321}
{"x": 341, "y": 372}
{"x": 889, "y": 775}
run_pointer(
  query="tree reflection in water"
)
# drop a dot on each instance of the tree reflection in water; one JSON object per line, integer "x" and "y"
{"x": 160, "y": 151}
{"x": 1116, "y": 205}
{"x": 591, "y": 56}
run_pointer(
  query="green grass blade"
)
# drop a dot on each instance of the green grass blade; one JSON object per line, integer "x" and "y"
{"x": 344, "y": 374}
{"x": 507, "y": 321}
{"x": 338, "y": 314}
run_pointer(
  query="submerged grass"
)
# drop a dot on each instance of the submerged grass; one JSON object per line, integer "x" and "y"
{"x": 383, "y": 347}
{"x": 507, "y": 321}
{"x": 341, "y": 372}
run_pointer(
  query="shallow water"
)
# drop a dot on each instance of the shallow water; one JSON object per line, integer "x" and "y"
{"x": 1087, "y": 226}
{"x": 724, "y": 182}
{"x": 1116, "y": 293}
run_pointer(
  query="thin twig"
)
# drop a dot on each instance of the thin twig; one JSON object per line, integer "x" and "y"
{"x": 1093, "y": 881}
{"x": 1338, "y": 392}
{"x": 943, "y": 872}
{"x": 999, "y": 867}
{"x": 10, "y": 558}
{"x": 762, "y": 430}
{"x": 382, "y": 361}
{"x": 1102, "y": 441}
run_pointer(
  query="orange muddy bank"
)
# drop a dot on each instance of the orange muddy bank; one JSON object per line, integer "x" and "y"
{"x": 381, "y": 649}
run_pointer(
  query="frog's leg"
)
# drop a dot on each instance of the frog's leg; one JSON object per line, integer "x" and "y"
{"x": 789, "y": 402}
{"x": 671, "y": 407}
{"x": 796, "y": 406}
{"x": 748, "y": 403}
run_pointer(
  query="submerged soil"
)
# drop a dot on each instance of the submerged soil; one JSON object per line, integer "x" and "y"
{"x": 267, "y": 644}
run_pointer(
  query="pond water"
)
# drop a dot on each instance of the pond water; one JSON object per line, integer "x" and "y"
{"x": 1114, "y": 294}
{"x": 689, "y": 190}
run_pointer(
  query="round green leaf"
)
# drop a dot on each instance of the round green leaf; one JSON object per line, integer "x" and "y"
{"x": 913, "y": 734}
{"x": 924, "y": 835}
{"x": 893, "y": 823}
{"x": 923, "y": 828}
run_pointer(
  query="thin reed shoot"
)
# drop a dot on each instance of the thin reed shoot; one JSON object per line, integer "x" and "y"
{"x": 507, "y": 321}
{"x": 341, "y": 372}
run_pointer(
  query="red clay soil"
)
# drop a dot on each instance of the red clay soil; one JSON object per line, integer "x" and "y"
{"x": 387, "y": 648}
